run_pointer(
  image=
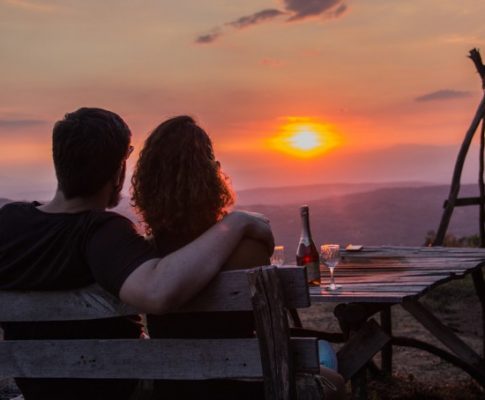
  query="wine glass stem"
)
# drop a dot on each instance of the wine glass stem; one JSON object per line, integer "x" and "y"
{"x": 332, "y": 279}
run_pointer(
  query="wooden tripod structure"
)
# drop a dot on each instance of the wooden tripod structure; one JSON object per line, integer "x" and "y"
{"x": 453, "y": 200}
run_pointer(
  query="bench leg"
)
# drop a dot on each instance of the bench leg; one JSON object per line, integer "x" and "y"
{"x": 386, "y": 354}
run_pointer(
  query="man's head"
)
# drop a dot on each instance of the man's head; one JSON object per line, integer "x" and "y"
{"x": 90, "y": 147}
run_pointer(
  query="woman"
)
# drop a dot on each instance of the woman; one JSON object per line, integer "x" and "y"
{"x": 178, "y": 186}
{"x": 180, "y": 191}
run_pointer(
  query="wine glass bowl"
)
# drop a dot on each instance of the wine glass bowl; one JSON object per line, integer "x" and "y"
{"x": 278, "y": 257}
{"x": 330, "y": 257}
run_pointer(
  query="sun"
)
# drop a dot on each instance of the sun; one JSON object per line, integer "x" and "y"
{"x": 305, "y": 140}
{"x": 303, "y": 137}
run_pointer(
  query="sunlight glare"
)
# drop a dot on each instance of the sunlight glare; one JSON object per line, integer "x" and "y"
{"x": 304, "y": 138}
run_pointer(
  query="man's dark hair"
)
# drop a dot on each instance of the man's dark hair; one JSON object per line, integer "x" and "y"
{"x": 88, "y": 146}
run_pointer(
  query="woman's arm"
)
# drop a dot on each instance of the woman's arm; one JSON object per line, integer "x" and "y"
{"x": 162, "y": 285}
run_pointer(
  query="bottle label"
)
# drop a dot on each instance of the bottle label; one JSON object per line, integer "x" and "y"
{"x": 313, "y": 272}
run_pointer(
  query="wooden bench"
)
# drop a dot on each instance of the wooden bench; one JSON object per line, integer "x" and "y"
{"x": 288, "y": 366}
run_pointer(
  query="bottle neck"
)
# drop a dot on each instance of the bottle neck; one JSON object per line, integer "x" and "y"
{"x": 306, "y": 236}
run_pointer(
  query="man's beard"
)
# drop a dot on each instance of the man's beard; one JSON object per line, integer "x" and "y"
{"x": 115, "y": 198}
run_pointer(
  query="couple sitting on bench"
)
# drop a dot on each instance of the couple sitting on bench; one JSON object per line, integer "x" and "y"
{"x": 72, "y": 241}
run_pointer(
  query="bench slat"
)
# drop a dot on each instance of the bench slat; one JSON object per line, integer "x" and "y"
{"x": 229, "y": 291}
{"x": 162, "y": 358}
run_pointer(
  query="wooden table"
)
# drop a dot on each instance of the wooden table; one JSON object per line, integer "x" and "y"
{"x": 376, "y": 278}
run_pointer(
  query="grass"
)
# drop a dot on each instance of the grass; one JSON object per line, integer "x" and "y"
{"x": 446, "y": 296}
{"x": 401, "y": 387}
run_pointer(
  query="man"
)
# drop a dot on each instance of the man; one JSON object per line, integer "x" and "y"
{"x": 72, "y": 241}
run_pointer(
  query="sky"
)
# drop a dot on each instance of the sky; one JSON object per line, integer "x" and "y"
{"x": 383, "y": 89}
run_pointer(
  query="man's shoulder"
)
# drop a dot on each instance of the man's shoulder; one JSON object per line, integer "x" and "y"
{"x": 109, "y": 221}
{"x": 105, "y": 215}
{"x": 28, "y": 211}
{"x": 4, "y": 201}
{"x": 11, "y": 206}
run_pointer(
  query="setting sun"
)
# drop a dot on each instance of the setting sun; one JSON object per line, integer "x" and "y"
{"x": 302, "y": 137}
{"x": 305, "y": 140}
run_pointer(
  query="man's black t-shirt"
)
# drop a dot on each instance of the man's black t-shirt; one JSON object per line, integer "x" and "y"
{"x": 50, "y": 251}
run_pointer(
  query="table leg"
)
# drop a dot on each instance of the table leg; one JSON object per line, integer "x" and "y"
{"x": 446, "y": 336}
{"x": 359, "y": 385}
{"x": 386, "y": 354}
{"x": 351, "y": 317}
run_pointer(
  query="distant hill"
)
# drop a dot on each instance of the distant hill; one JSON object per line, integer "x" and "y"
{"x": 397, "y": 216}
{"x": 306, "y": 193}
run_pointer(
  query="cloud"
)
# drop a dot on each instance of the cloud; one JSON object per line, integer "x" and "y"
{"x": 444, "y": 94}
{"x": 296, "y": 10}
{"x": 20, "y": 123}
{"x": 255, "y": 18}
{"x": 208, "y": 37}
{"x": 301, "y": 9}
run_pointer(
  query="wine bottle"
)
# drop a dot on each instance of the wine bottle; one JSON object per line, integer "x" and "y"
{"x": 307, "y": 254}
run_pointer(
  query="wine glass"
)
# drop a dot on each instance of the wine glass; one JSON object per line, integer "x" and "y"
{"x": 278, "y": 257}
{"x": 330, "y": 256}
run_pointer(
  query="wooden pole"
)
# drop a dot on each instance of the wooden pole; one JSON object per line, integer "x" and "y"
{"x": 455, "y": 183}
{"x": 477, "y": 60}
{"x": 460, "y": 160}
{"x": 482, "y": 186}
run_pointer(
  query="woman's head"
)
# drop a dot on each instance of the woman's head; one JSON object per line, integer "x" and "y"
{"x": 178, "y": 186}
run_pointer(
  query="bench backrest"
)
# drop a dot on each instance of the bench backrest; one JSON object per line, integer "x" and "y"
{"x": 273, "y": 356}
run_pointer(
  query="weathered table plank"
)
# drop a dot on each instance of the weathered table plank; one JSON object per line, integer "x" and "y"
{"x": 389, "y": 274}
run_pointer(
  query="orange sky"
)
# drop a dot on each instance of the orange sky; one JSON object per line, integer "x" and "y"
{"x": 389, "y": 79}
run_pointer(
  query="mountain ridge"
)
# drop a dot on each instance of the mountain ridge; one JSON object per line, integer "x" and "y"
{"x": 302, "y": 193}
{"x": 386, "y": 216}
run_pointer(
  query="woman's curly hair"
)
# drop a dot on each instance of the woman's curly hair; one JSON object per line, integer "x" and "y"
{"x": 178, "y": 186}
